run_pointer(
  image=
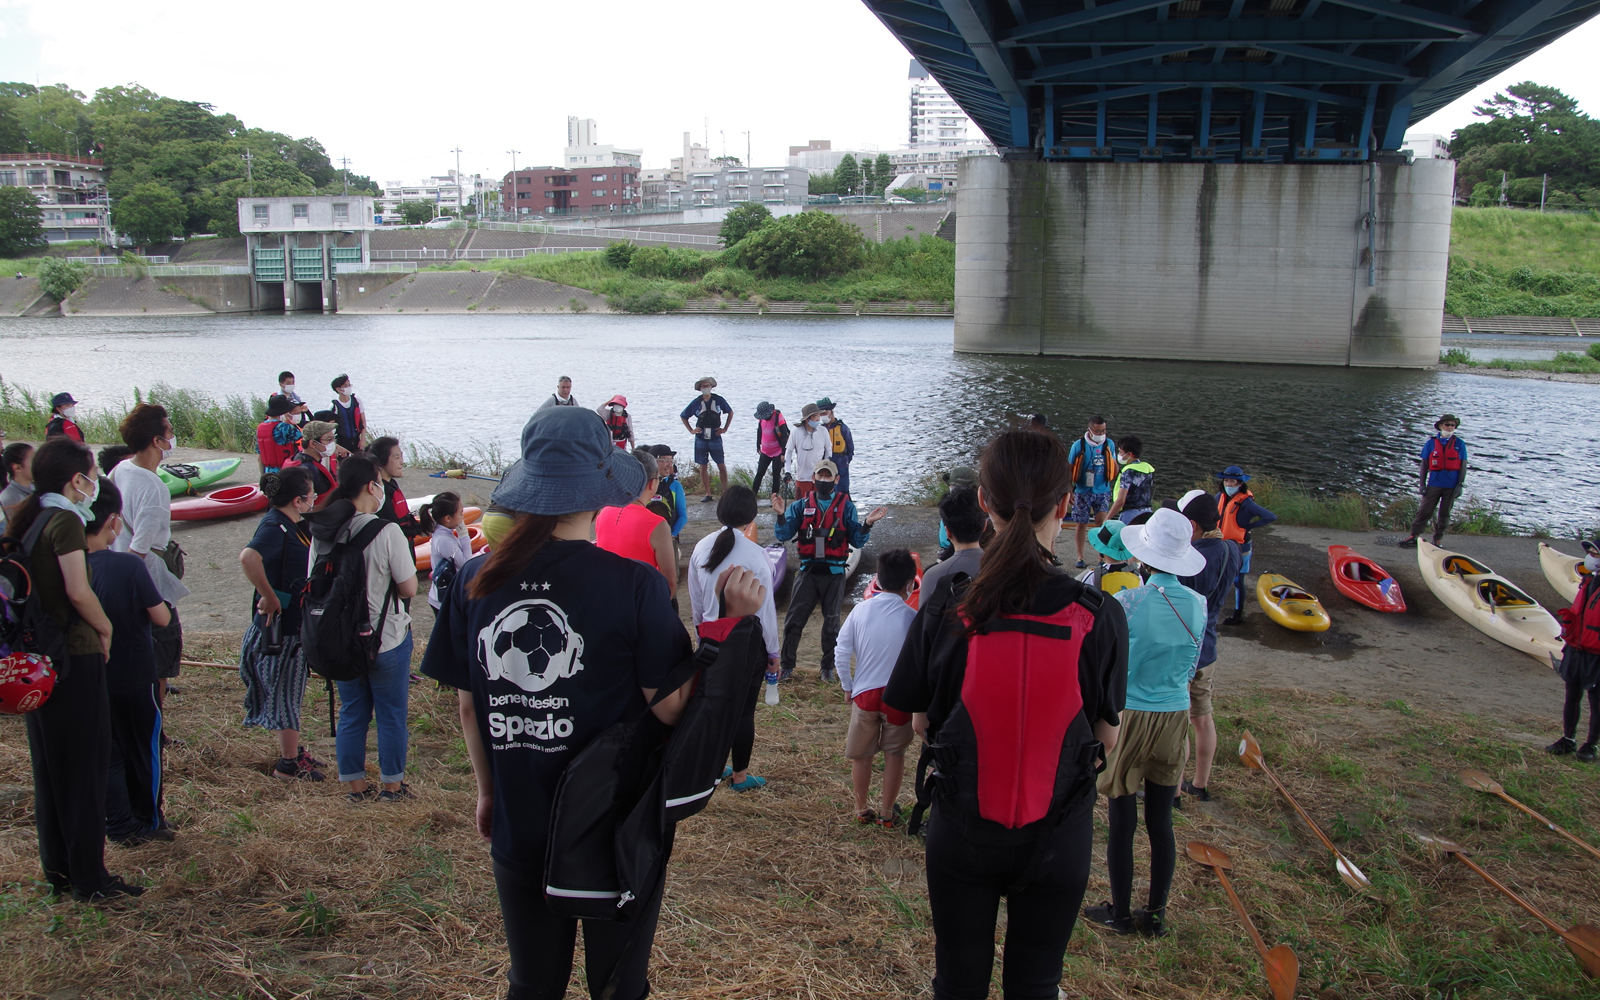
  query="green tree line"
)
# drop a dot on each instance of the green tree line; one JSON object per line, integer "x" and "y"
{"x": 869, "y": 176}
{"x": 1534, "y": 140}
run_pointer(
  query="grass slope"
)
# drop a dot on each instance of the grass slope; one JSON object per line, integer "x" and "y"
{"x": 1508, "y": 262}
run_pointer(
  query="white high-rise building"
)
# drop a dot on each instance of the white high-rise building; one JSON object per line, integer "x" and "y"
{"x": 582, "y": 131}
{"x": 585, "y": 150}
{"x": 936, "y": 119}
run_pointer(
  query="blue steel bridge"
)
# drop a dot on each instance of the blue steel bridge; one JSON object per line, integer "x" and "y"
{"x": 1223, "y": 81}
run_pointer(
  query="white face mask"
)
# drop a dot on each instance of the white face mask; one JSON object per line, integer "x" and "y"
{"x": 346, "y": 391}
{"x": 71, "y": 413}
{"x": 1592, "y": 563}
{"x": 86, "y": 503}
{"x": 287, "y": 388}
{"x": 326, "y": 447}
{"x": 1097, "y": 439}
{"x": 167, "y": 443}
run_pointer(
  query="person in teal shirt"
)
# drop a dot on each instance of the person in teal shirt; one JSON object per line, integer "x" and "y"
{"x": 1166, "y": 623}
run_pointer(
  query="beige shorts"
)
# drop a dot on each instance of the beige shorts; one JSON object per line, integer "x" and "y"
{"x": 1200, "y": 690}
{"x": 871, "y": 732}
{"x": 1151, "y": 746}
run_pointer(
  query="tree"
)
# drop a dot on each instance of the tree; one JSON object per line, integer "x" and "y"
{"x": 808, "y": 245}
{"x": 59, "y": 278}
{"x": 727, "y": 161}
{"x": 21, "y": 221}
{"x": 414, "y": 213}
{"x": 885, "y": 172}
{"x": 869, "y": 176}
{"x": 742, "y": 221}
{"x": 1539, "y": 140}
{"x": 823, "y": 183}
{"x": 149, "y": 213}
{"x": 848, "y": 175}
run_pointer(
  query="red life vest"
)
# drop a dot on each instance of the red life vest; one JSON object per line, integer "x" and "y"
{"x": 617, "y": 424}
{"x": 1580, "y": 624}
{"x": 1445, "y": 456}
{"x": 60, "y": 426}
{"x": 302, "y": 460}
{"x": 1228, "y": 515}
{"x": 273, "y": 455}
{"x": 824, "y": 529}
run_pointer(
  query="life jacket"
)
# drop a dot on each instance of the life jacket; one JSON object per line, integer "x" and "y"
{"x": 302, "y": 460}
{"x": 349, "y": 419}
{"x": 1581, "y": 623}
{"x": 824, "y": 530}
{"x": 1445, "y": 456}
{"x": 60, "y": 426}
{"x": 1016, "y": 748}
{"x": 1228, "y": 515}
{"x": 617, "y": 424}
{"x": 273, "y": 455}
{"x": 668, "y": 502}
{"x": 1141, "y": 487}
{"x": 836, "y": 435}
{"x": 1081, "y": 459}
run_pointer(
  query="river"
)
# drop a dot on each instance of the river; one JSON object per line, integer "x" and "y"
{"x": 914, "y": 405}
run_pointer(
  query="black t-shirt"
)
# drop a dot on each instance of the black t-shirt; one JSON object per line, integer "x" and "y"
{"x": 552, "y": 658}
{"x": 933, "y": 661}
{"x": 125, "y": 590}
{"x": 282, "y": 545}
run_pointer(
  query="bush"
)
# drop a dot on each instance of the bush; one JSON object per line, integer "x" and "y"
{"x": 742, "y": 221}
{"x": 669, "y": 262}
{"x": 808, "y": 245}
{"x": 60, "y": 278}
{"x": 653, "y": 301}
{"x": 619, "y": 255}
{"x": 21, "y": 221}
{"x": 1594, "y": 351}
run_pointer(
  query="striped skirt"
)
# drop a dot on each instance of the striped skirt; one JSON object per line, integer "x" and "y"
{"x": 274, "y": 686}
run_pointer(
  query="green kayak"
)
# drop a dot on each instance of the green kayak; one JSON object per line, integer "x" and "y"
{"x": 210, "y": 472}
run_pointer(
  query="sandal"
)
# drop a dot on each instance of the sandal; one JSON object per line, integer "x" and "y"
{"x": 750, "y": 783}
{"x": 1105, "y": 916}
{"x": 867, "y": 817}
{"x": 894, "y": 819}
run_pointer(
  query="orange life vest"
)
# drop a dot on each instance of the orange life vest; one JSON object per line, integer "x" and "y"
{"x": 1228, "y": 515}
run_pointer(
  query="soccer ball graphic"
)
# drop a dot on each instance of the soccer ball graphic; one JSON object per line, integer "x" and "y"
{"x": 530, "y": 644}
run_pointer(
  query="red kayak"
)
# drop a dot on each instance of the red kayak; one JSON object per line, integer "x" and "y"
{"x": 230, "y": 501}
{"x": 916, "y": 585}
{"x": 424, "y": 550}
{"x": 1363, "y": 580}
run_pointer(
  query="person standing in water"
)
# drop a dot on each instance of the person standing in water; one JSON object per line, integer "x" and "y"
{"x": 1093, "y": 458}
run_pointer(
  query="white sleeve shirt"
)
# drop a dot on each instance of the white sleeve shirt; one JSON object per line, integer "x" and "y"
{"x": 876, "y": 630}
{"x": 703, "y": 602}
{"x": 147, "y": 524}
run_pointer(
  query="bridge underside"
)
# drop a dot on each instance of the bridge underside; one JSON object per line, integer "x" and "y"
{"x": 1225, "y": 81}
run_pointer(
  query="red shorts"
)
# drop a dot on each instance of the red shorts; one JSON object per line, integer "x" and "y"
{"x": 872, "y": 701}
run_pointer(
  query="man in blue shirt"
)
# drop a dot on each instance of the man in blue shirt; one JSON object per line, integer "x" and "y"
{"x": 1094, "y": 469}
{"x": 825, "y": 526}
{"x": 1444, "y": 475}
{"x": 712, "y": 417}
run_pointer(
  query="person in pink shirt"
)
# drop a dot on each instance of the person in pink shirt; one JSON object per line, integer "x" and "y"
{"x": 772, "y": 436}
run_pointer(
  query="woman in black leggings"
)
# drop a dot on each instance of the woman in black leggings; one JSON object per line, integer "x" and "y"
{"x": 1580, "y": 661}
{"x": 973, "y": 664}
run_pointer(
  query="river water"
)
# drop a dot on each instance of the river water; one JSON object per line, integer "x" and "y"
{"x": 914, "y": 405}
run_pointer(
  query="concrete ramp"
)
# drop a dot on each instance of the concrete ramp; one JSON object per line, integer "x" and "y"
{"x": 19, "y": 296}
{"x": 129, "y": 297}
{"x": 473, "y": 291}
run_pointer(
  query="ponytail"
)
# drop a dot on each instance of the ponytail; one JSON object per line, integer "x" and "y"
{"x": 286, "y": 486}
{"x": 736, "y": 509}
{"x": 529, "y": 533}
{"x": 442, "y": 505}
{"x": 1024, "y": 475}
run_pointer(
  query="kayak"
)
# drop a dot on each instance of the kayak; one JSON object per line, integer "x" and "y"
{"x": 778, "y": 562}
{"x": 1290, "y": 604}
{"x": 851, "y": 563}
{"x": 1490, "y": 603}
{"x": 1363, "y": 580}
{"x": 424, "y": 550}
{"x": 211, "y": 472}
{"x": 470, "y": 516}
{"x": 916, "y": 584}
{"x": 230, "y": 501}
{"x": 1564, "y": 572}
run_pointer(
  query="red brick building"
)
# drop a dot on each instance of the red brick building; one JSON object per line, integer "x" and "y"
{"x": 573, "y": 191}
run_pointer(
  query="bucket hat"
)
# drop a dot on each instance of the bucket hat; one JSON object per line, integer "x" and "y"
{"x": 1107, "y": 540}
{"x": 1233, "y": 472}
{"x": 826, "y": 403}
{"x": 1448, "y": 418}
{"x": 961, "y": 475}
{"x": 808, "y": 411}
{"x": 1162, "y": 543}
{"x": 619, "y": 399}
{"x": 278, "y": 404}
{"x": 765, "y": 410}
{"x": 568, "y": 464}
{"x": 708, "y": 380}
{"x": 62, "y": 399}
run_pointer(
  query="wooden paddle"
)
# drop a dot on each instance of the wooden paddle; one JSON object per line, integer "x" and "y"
{"x": 1483, "y": 783}
{"x": 1283, "y": 968}
{"x": 1583, "y": 940}
{"x": 460, "y": 474}
{"x": 1251, "y": 756}
{"x": 208, "y": 663}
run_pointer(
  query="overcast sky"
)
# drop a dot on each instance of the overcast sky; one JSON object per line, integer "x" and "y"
{"x": 396, "y": 86}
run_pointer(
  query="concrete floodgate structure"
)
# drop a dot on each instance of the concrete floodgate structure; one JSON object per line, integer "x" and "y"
{"x": 1338, "y": 264}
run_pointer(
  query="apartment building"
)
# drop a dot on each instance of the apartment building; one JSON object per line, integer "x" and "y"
{"x": 71, "y": 191}
{"x": 591, "y": 190}
{"x": 447, "y": 193}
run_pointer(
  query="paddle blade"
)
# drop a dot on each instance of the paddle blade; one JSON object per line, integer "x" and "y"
{"x": 1479, "y": 781}
{"x": 1250, "y": 753}
{"x": 1283, "y": 972}
{"x": 1351, "y": 874}
{"x": 1199, "y": 850}
{"x": 1437, "y": 844}
{"x": 1584, "y": 943}
{"x": 455, "y": 474}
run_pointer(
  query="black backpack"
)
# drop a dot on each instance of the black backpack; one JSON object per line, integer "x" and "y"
{"x": 25, "y": 625}
{"x": 336, "y": 630}
{"x": 619, "y": 798}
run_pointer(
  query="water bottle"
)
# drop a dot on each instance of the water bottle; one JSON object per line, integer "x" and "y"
{"x": 772, "y": 687}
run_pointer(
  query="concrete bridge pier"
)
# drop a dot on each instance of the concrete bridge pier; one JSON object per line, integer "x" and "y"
{"x": 1299, "y": 264}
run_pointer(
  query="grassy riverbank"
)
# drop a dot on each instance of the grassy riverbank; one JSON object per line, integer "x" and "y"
{"x": 1569, "y": 362}
{"x": 1508, "y": 262}
{"x": 199, "y": 418}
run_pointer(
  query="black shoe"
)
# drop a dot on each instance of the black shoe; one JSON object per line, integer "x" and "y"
{"x": 1233, "y": 620}
{"x": 297, "y": 769}
{"x": 1200, "y": 794}
{"x": 830, "y": 676}
{"x": 367, "y": 794}
{"x": 304, "y": 756}
{"x": 398, "y": 795}
{"x": 1586, "y": 753}
{"x": 1104, "y": 916}
{"x": 707, "y": 498}
{"x": 1408, "y": 542}
{"x": 1564, "y": 745}
{"x": 1438, "y": 540}
{"x": 1151, "y": 924}
{"x": 112, "y": 890}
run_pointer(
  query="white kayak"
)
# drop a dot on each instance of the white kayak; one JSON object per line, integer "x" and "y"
{"x": 851, "y": 563}
{"x": 1490, "y": 603}
{"x": 1564, "y": 572}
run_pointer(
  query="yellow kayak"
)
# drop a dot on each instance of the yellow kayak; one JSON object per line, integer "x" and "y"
{"x": 1564, "y": 572}
{"x": 1490, "y": 603}
{"x": 1291, "y": 605}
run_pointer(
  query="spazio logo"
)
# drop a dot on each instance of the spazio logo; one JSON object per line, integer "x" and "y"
{"x": 547, "y": 728}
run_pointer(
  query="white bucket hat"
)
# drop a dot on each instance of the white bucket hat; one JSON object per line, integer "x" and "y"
{"x": 1162, "y": 543}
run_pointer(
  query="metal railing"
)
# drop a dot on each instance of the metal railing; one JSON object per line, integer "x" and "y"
{"x": 373, "y": 267}
{"x": 102, "y": 261}
{"x": 487, "y": 254}
{"x": 172, "y": 270}
{"x": 632, "y": 235}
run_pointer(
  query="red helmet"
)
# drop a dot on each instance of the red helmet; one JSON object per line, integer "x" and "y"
{"x": 26, "y": 680}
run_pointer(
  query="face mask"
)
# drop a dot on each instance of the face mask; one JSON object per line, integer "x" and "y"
{"x": 87, "y": 503}
{"x": 71, "y": 413}
{"x": 1592, "y": 563}
{"x": 167, "y": 444}
{"x": 1447, "y": 435}
{"x": 326, "y": 447}
{"x": 1097, "y": 439}
{"x": 813, "y": 424}
{"x": 288, "y": 390}
{"x": 824, "y": 490}
{"x": 1230, "y": 490}
{"x": 346, "y": 391}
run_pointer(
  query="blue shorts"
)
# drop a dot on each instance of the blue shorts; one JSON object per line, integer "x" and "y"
{"x": 1085, "y": 505}
{"x": 705, "y": 451}
{"x": 1127, "y": 516}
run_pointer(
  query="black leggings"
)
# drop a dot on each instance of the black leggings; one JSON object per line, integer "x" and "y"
{"x": 965, "y": 882}
{"x": 1569, "y": 711}
{"x": 69, "y": 738}
{"x": 777, "y": 473}
{"x": 1163, "y": 848}
{"x": 744, "y": 738}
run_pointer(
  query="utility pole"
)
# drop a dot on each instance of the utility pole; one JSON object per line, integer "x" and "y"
{"x": 345, "y": 162}
{"x": 249, "y": 179}
{"x": 461, "y": 203}
{"x": 1502, "y": 189}
{"x": 513, "y": 208}
{"x": 747, "y": 161}
{"x": 1544, "y": 186}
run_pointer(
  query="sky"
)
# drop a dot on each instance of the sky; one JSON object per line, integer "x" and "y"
{"x": 403, "y": 85}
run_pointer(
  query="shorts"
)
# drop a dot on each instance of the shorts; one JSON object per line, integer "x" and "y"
{"x": 1200, "y": 690}
{"x": 169, "y": 646}
{"x": 1085, "y": 505}
{"x": 705, "y": 451}
{"x": 1127, "y": 516}
{"x": 1151, "y": 746}
{"x": 876, "y": 727}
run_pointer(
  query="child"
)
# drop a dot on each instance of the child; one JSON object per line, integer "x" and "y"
{"x": 873, "y": 635}
{"x": 1117, "y": 569}
{"x": 451, "y": 547}
{"x": 130, "y": 600}
{"x": 1136, "y": 484}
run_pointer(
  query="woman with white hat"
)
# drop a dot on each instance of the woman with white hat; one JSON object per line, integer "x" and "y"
{"x": 1166, "y": 621}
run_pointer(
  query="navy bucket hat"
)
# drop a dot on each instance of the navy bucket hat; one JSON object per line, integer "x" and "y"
{"x": 1233, "y": 472}
{"x": 568, "y": 465}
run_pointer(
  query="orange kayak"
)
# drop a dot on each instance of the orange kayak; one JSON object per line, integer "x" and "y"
{"x": 424, "y": 550}
{"x": 916, "y": 584}
{"x": 1363, "y": 580}
{"x": 229, "y": 501}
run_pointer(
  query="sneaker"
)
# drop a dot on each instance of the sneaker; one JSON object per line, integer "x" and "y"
{"x": 750, "y": 783}
{"x": 1564, "y": 745}
{"x": 1104, "y": 916}
{"x": 1586, "y": 753}
{"x": 895, "y": 819}
{"x": 1152, "y": 924}
{"x": 1438, "y": 540}
{"x": 1408, "y": 542}
{"x": 400, "y": 794}
{"x": 829, "y": 676}
{"x": 367, "y": 794}
{"x": 297, "y": 769}
{"x": 1233, "y": 620}
{"x": 867, "y": 817}
{"x": 707, "y": 498}
{"x": 114, "y": 889}
{"x": 1082, "y": 565}
{"x": 1200, "y": 794}
{"x": 304, "y": 756}
{"x": 785, "y": 674}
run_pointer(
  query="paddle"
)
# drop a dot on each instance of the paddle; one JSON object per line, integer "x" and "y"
{"x": 460, "y": 474}
{"x": 1250, "y": 754}
{"x": 1583, "y": 940}
{"x": 1483, "y": 783}
{"x": 1283, "y": 968}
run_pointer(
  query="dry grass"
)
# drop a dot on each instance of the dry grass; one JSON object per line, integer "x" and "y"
{"x": 277, "y": 891}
